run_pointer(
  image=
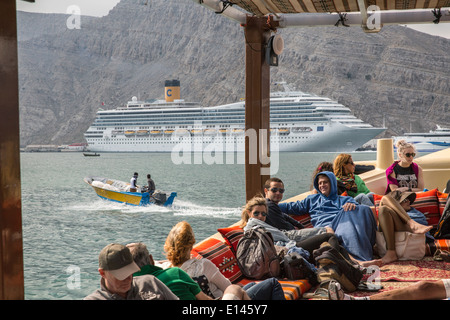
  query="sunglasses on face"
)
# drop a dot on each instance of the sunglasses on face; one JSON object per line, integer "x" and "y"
{"x": 257, "y": 213}
{"x": 410, "y": 155}
{"x": 277, "y": 189}
{"x": 351, "y": 162}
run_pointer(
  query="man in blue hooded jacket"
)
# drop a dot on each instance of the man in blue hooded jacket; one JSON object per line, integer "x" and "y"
{"x": 354, "y": 224}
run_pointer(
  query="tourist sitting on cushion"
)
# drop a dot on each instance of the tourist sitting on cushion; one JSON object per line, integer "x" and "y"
{"x": 309, "y": 239}
{"x": 348, "y": 181}
{"x": 178, "y": 281}
{"x": 404, "y": 174}
{"x": 354, "y": 224}
{"x": 274, "y": 189}
{"x": 116, "y": 267}
{"x": 393, "y": 216}
{"x": 255, "y": 214}
{"x": 178, "y": 247}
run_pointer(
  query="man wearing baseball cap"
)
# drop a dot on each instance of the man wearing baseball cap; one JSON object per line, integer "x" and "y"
{"x": 116, "y": 267}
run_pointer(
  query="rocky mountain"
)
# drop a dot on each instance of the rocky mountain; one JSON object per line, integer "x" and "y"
{"x": 398, "y": 76}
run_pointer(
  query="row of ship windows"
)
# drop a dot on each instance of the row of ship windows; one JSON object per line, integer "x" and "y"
{"x": 156, "y": 142}
{"x": 192, "y": 122}
{"x": 141, "y": 141}
{"x": 190, "y": 117}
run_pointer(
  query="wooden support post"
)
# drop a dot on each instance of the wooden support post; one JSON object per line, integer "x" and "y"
{"x": 11, "y": 247}
{"x": 257, "y": 105}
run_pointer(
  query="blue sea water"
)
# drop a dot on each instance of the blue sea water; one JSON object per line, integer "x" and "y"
{"x": 65, "y": 224}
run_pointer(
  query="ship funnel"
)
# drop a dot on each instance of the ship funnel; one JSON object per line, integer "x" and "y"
{"x": 172, "y": 90}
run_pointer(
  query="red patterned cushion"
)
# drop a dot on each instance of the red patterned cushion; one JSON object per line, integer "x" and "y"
{"x": 232, "y": 235}
{"x": 376, "y": 200}
{"x": 219, "y": 254}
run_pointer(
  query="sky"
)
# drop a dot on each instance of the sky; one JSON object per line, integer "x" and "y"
{"x": 102, "y": 7}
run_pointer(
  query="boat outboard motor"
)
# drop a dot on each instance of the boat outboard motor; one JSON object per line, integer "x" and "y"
{"x": 159, "y": 196}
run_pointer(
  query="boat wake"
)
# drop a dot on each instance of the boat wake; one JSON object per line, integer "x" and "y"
{"x": 187, "y": 208}
{"x": 179, "y": 208}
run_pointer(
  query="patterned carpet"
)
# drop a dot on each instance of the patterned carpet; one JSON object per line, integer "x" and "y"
{"x": 425, "y": 269}
{"x": 404, "y": 273}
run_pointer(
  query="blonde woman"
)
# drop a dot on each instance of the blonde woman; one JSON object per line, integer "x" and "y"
{"x": 404, "y": 174}
{"x": 344, "y": 170}
{"x": 178, "y": 247}
{"x": 254, "y": 215}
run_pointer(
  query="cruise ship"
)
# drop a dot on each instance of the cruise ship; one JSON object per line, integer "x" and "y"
{"x": 299, "y": 122}
{"x": 431, "y": 141}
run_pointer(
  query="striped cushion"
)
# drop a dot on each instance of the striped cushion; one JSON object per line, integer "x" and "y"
{"x": 219, "y": 254}
{"x": 442, "y": 244}
{"x": 305, "y": 220}
{"x": 232, "y": 235}
{"x": 293, "y": 289}
{"x": 442, "y": 199}
{"x": 428, "y": 202}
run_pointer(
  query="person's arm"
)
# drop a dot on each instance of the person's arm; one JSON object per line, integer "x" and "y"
{"x": 392, "y": 183}
{"x": 348, "y": 203}
{"x": 214, "y": 275}
{"x": 420, "y": 181}
{"x": 394, "y": 186}
{"x": 297, "y": 208}
{"x": 362, "y": 188}
{"x": 202, "y": 296}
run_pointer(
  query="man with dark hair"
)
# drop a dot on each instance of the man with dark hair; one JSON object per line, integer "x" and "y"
{"x": 273, "y": 190}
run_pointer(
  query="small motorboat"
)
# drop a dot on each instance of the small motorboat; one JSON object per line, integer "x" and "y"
{"x": 90, "y": 154}
{"x": 120, "y": 191}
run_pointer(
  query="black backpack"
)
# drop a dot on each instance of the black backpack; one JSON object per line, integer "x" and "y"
{"x": 295, "y": 267}
{"x": 443, "y": 227}
{"x": 256, "y": 255}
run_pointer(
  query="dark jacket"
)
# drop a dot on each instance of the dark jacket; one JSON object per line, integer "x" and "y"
{"x": 279, "y": 219}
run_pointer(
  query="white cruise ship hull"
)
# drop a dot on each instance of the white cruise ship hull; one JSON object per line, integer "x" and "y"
{"x": 299, "y": 122}
{"x": 335, "y": 138}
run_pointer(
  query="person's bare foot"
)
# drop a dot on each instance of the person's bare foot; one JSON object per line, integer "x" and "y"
{"x": 365, "y": 264}
{"x": 389, "y": 257}
{"x": 417, "y": 227}
{"x": 375, "y": 262}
